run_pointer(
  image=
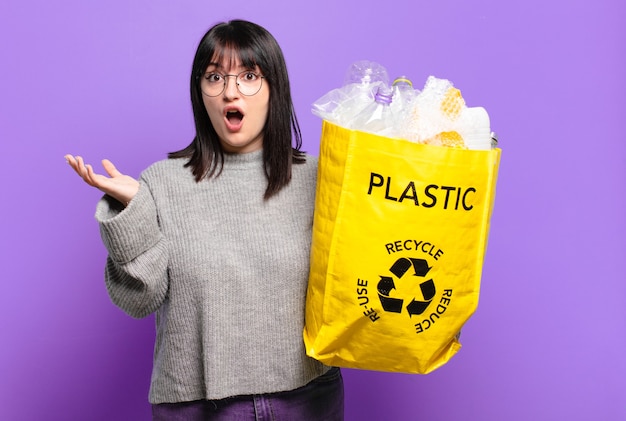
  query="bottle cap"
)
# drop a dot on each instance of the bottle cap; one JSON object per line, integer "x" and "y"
{"x": 383, "y": 96}
{"x": 402, "y": 80}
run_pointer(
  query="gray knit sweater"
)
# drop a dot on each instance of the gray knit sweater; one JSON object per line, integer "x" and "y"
{"x": 225, "y": 272}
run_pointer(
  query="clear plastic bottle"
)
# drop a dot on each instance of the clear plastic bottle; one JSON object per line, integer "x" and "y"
{"x": 403, "y": 94}
{"x": 361, "y": 80}
{"x": 377, "y": 117}
{"x": 366, "y": 72}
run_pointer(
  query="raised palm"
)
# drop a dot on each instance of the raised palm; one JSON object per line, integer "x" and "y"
{"x": 117, "y": 185}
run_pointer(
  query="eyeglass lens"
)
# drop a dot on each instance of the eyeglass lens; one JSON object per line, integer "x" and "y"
{"x": 248, "y": 83}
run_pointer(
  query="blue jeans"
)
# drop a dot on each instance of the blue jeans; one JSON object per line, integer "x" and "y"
{"x": 320, "y": 400}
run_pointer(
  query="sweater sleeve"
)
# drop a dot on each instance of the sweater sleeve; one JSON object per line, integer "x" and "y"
{"x": 136, "y": 269}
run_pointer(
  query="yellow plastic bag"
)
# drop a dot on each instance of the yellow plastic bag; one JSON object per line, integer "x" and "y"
{"x": 399, "y": 237}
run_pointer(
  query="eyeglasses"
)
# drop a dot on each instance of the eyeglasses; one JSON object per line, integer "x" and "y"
{"x": 248, "y": 83}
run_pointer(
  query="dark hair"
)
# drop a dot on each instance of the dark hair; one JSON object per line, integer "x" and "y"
{"x": 254, "y": 46}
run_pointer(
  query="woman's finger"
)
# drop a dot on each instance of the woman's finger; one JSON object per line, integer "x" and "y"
{"x": 82, "y": 169}
{"x": 72, "y": 161}
{"x": 110, "y": 168}
{"x": 90, "y": 176}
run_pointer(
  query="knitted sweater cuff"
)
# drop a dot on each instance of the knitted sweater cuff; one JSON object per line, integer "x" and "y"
{"x": 128, "y": 232}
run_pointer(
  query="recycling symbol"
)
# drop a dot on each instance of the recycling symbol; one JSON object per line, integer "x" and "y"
{"x": 399, "y": 269}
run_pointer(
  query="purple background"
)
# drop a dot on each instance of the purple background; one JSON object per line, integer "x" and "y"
{"x": 109, "y": 79}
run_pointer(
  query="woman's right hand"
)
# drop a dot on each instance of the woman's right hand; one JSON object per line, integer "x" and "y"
{"x": 117, "y": 185}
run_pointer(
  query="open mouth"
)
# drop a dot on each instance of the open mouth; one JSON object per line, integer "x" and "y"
{"x": 234, "y": 117}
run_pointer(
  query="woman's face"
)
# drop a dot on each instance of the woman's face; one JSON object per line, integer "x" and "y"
{"x": 238, "y": 119}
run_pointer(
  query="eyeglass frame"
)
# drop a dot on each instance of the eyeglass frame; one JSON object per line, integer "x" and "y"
{"x": 225, "y": 77}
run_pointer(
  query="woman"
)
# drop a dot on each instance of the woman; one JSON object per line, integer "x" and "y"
{"x": 216, "y": 241}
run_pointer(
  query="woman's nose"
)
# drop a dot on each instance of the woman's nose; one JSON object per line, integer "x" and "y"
{"x": 231, "y": 90}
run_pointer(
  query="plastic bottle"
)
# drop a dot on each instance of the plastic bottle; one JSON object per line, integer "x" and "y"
{"x": 360, "y": 83}
{"x": 366, "y": 72}
{"x": 377, "y": 117}
{"x": 403, "y": 98}
{"x": 403, "y": 94}
{"x": 474, "y": 127}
